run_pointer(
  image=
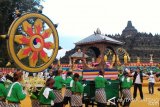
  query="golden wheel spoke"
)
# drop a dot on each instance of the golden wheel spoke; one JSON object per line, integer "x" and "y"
{"x": 20, "y": 39}
{"x": 38, "y": 26}
{"x": 27, "y": 28}
{"x": 33, "y": 58}
{"x": 44, "y": 56}
{"x": 24, "y": 52}
{"x": 47, "y": 33}
{"x": 49, "y": 45}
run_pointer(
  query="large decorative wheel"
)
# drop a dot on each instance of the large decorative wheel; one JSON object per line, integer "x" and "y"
{"x": 33, "y": 42}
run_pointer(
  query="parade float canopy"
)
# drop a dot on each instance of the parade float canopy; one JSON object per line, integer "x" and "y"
{"x": 97, "y": 37}
{"x": 78, "y": 54}
{"x": 99, "y": 43}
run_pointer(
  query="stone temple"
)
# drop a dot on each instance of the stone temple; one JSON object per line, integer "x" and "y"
{"x": 137, "y": 44}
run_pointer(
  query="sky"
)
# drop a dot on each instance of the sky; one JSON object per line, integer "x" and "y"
{"x": 78, "y": 19}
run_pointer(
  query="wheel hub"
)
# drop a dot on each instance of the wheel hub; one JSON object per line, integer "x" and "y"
{"x": 37, "y": 43}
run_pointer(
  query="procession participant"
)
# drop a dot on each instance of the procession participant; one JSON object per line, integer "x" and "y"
{"x": 77, "y": 90}
{"x": 100, "y": 94}
{"x": 68, "y": 93}
{"x": 50, "y": 71}
{"x": 46, "y": 95}
{"x": 3, "y": 92}
{"x": 157, "y": 79}
{"x": 138, "y": 80}
{"x": 120, "y": 71}
{"x": 81, "y": 79}
{"x": 119, "y": 67}
{"x": 120, "y": 75}
{"x": 151, "y": 80}
{"x": 3, "y": 76}
{"x": 57, "y": 88}
{"x": 150, "y": 68}
{"x": 157, "y": 69}
{"x": 9, "y": 77}
{"x": 145, "y": 69}
{"x": 15, "y": 92}
{"x": 126, "y": 84}
{"x": 51, "y": 74}
{"x": 125, "y": 67}
{"x": 63, "y": 75}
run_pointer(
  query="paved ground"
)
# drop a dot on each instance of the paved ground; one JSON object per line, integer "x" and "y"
{"x": 149, "y": 100}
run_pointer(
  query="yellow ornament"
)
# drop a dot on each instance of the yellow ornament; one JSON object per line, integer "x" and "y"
{"x": 118, "y": 61}
{"x": 138, "y": 59}
{"x": 125, "y": 59}
{"x": 105, "y": 58}
{"x": 113, "y": 59}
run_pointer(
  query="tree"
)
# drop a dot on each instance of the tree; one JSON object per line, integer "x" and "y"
{"x": 7, "y": 15}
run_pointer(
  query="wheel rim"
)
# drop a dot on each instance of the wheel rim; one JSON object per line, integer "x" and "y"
{"x": 33, "y": 37}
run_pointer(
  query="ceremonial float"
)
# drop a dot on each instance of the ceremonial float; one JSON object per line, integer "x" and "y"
{"x": 32, "y": 42}
{"x": 99, "y": 52}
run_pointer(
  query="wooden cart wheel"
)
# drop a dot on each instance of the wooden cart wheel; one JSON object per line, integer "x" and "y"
{"x": 33, "y": 42}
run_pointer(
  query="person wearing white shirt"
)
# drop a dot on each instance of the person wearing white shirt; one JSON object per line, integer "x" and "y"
{"x": 138, "y": 80}
{"x": 151, "y": 83}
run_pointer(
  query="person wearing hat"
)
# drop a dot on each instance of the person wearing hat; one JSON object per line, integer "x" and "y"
{"x": 57, "y": 88}
{"x": 100, "y": 94}
{"x": 3, "y": 92}
{"x": 46, "y": 95}
{"x": 126, "y": 84}
{"x": 77, "y": 91}
{"x": 68, "y": 93}
{"x": 15, "y": 91}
